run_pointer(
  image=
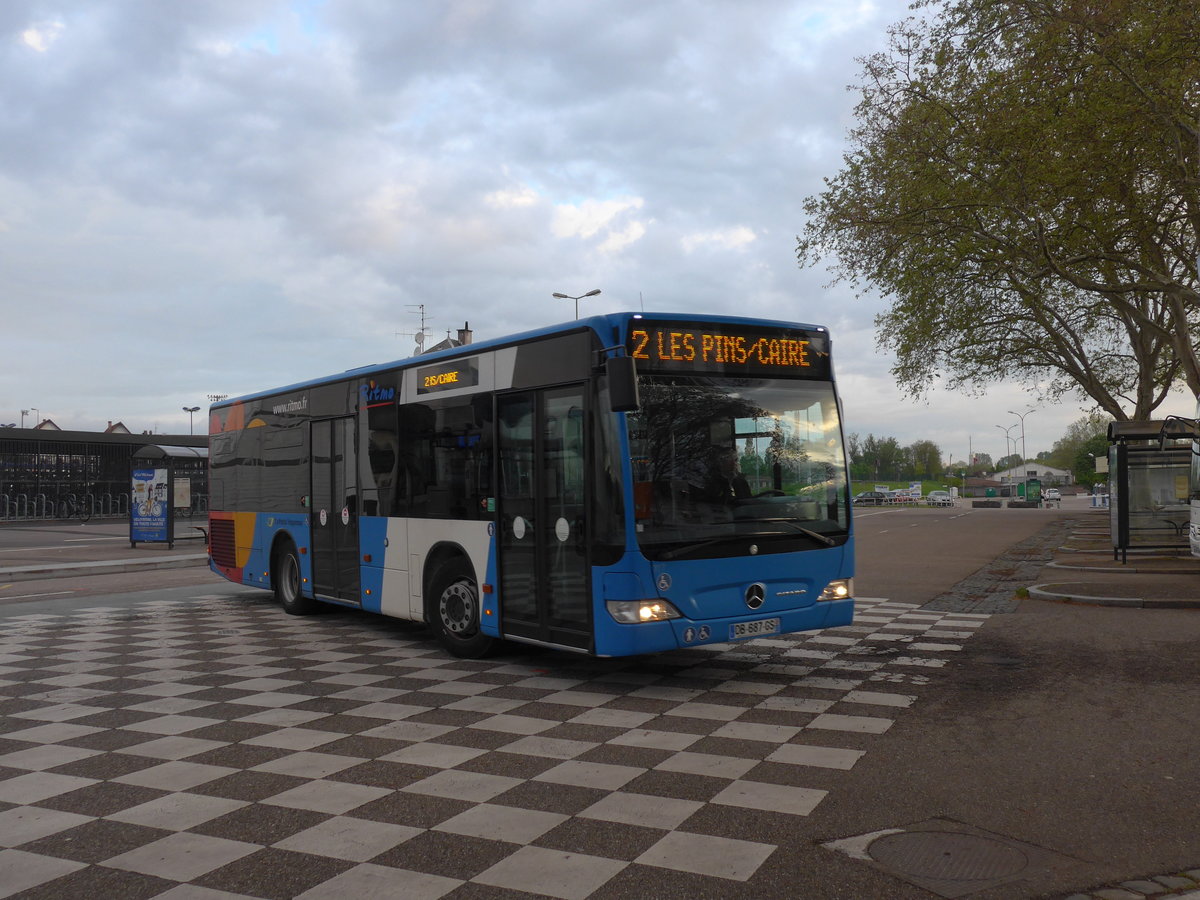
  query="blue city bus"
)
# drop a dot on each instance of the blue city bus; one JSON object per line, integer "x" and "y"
{"x": 621, "y": 484}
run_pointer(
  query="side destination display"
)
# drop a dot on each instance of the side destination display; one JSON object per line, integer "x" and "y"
{"x": 729, "y": 349}
{"x": 457, "y": 374}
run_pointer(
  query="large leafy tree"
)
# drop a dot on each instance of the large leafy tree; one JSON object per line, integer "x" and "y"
{"x": 926, "y": 460}
{"x": 1079, "y": 433}
{"x": 1023, "y": 185}
{"x": 1084, "y": 440}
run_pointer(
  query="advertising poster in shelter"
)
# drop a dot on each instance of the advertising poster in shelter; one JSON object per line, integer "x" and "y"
{"x": 149, "y": 518}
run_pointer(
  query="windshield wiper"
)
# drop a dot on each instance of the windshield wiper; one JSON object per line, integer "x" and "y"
{"x": 807, "y": 532}
{"x": 743, "y": 535}
{"x": 698, "y": 545}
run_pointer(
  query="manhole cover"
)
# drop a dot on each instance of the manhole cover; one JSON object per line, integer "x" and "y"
{"x": 940, "y": 854}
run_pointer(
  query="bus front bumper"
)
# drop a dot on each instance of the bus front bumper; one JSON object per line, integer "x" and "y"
{"x": 615, "y": 639}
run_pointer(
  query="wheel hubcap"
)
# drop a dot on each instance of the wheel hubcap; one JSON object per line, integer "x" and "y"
{"x": 457, "y": 608}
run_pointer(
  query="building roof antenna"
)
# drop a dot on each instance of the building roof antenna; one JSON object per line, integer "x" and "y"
{"x": 418, "y": 335}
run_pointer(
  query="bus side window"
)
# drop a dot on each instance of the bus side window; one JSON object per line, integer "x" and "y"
{"x": 250, "y": 468}
{"x": 413, "y": 463}
{"x": 285, "y": 457}
{"x": 445, "y": 459}
{"x": 222, "y": 476}
{"x": 382, "y": 462}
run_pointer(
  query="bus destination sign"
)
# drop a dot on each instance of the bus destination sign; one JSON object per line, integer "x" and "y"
{"x": 445, "y": 377}
{"x": 726, "y": 348}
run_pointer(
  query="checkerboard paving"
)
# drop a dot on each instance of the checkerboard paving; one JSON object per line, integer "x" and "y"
{"x": 219, "y": 748}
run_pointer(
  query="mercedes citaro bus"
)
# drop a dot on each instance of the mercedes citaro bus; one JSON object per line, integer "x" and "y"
{"x": 620, "y": 484}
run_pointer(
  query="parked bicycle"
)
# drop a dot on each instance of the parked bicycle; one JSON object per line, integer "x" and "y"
{"x": 71, "y": 508}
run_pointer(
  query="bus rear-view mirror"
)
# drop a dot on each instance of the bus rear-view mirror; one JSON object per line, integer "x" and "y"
{"x": 621, "y": 372}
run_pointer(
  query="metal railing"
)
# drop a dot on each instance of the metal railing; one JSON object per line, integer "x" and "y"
{"x": 34, "y": 507}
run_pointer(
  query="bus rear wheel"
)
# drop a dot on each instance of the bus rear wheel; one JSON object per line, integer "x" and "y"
{"x": 286, "y": 582}
{"x": 455, "y": 611}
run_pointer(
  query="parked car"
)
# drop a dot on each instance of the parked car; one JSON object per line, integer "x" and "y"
{"x": 939, "y": 498}
{"x": 871, "y": 498}
{"x": 1051, "y": 494}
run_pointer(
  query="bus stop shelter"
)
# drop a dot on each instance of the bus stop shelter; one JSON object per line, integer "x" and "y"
{"x": 165, "y": 483}
{"x": 1148, "y": 467}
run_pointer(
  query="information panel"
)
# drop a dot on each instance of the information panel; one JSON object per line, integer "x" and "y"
{"x": 149, "y": 518}
{"x": 457, "y": 374}
{"x": 729, "y": 349}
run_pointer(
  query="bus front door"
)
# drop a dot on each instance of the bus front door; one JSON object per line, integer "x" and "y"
{"x": 334, "y": 511}
{"x": 543, "y": 541}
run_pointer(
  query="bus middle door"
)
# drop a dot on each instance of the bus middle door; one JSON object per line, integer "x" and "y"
{"x": 335, "y": 510}
{"x": 543, "y": 540}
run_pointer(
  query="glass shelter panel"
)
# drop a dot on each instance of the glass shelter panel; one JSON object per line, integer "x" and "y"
{"x": 1157, "y": 497}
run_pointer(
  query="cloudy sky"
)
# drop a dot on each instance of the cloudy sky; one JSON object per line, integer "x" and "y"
{"x": 221, "y": 196}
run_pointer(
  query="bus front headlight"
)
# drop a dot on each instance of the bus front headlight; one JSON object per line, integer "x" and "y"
{"x": 631, "y": 612}
{"x": 842, "y": 589}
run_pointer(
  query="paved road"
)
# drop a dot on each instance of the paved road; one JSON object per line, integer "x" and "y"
{"x": 1069, "y": 728}
{"x": 915, "y": 554}
{"x": 100, "y": 552}
{"x": 205, "y": 739}
{"x": 68, "y": 540}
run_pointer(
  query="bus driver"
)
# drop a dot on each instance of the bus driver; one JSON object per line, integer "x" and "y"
{"x": 725, "y": 480}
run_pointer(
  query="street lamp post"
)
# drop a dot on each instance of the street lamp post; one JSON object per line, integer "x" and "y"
{"x": 1024, "y": 452}
{"x": 24, "y": 413}
{"x": 1009, "y": 440}
{"x": 190, "y": 410}
{"x": 591, "y": 293}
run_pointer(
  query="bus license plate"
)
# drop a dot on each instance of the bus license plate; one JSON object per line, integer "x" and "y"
{"x": 753, "y": 629}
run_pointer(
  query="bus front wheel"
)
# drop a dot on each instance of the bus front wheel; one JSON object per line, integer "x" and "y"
{"x": 454, "y": 612}
{"x": 287, "y": 584}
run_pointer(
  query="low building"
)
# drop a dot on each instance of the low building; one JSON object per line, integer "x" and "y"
{"x": 1047, "y": 475}
{"x": 984, "y": 487}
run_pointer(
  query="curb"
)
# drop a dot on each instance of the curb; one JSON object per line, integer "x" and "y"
{"x": 1143, "y": 551}
{"x": 113, "y": 567}
{"x": 1041, "y": 592}
{"x": 1131, "y": 570}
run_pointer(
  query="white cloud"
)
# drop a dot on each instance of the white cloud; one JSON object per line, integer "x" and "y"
{"x": 512, "y": 198}
{"x": 619, "y": 240}
{"x": 589, "y": 217}
{"x": 41, "y": 36}
{"x": 722, "y": 239}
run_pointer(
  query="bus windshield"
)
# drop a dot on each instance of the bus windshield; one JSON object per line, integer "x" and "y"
{"x": 719, "y": 460}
